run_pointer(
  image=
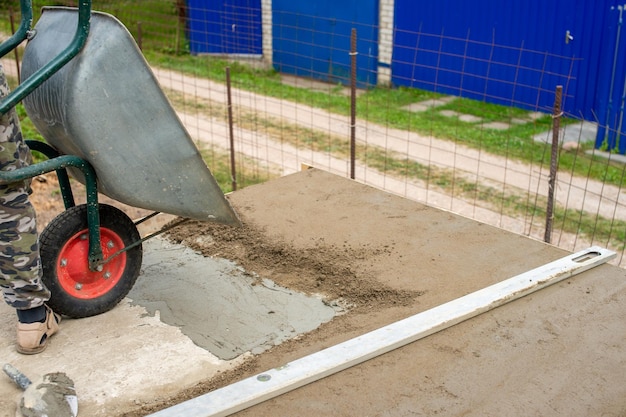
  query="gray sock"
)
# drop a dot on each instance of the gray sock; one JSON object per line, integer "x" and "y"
{"x": 32, "y": 315}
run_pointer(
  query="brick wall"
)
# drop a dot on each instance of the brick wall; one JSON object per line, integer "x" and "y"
{"x": 385, "y": 41}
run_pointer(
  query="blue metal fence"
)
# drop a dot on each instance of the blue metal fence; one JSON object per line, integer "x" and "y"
{"x": 225, "y": 27}
{"x": 612, "y": 85}
{"x": 517, "y": 52}
{"x": 513, "y": 53}
{"x": 312, "y": 39}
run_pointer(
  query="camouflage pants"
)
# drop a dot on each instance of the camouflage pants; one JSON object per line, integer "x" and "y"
{"x": 20, "y": 265}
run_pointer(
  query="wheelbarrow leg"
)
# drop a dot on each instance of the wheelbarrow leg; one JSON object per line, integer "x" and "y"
{"x": 58, "y": 163}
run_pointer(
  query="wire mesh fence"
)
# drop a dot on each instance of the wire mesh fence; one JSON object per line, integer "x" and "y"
{"x": 463, "y": 125}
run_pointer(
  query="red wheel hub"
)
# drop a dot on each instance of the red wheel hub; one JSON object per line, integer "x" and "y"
{"x": 73, "y": 265}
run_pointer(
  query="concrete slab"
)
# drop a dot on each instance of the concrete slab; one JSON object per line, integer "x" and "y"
{"x": 583, "y": 132}
{"x": 615, "y": 157}
{"x": 559, "y": 351}
{"x": 274, "y": 382}
{"x": 112, "y": 359}
{"x": 317, "y": 85}
{"x": 428, "y": 104}
{"x": 496, "y": 126}
{"x": 449, "y": 113}
{"x": 469, "y": 118}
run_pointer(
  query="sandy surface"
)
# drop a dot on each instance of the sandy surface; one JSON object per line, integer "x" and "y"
{"x": 557, "y": 352}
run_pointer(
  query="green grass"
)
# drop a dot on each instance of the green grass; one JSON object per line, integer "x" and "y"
{"x": 163, "y": 46}
{"x": 384, "y": 106}
{"x": 247, "y": 172}
{"x": 161, "y": 38}
{"x": 156, "y": 20}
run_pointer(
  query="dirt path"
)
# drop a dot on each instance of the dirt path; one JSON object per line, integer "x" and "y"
{"x": 574, "y": 192}
{"x": 474, "y": 165}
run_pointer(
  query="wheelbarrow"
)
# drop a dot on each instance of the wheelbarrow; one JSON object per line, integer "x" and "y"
{"x": 106, "y": 122}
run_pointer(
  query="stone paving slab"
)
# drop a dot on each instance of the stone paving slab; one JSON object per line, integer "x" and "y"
{"x": 469, "y": 118}
{"x": 496, "y": 125}
{"x": 428, "y": 104}
{"x": 582, "y": 132}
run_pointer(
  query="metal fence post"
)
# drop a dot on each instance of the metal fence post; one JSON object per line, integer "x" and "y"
{"x": 233, "y": 169}
{"x": 353, "y": 54}
{"x": 554, "y": 161}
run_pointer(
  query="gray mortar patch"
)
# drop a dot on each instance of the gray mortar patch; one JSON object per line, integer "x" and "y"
{"x": 219, "y": 306}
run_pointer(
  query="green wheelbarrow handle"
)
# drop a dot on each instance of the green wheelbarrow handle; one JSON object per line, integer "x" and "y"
{"x": 45, "y": 72}
{"x": 58, "y": 162}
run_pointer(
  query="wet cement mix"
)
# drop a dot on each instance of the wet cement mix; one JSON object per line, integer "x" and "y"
{"x": 48, "y": 396}
{"x": 218, "y": 305}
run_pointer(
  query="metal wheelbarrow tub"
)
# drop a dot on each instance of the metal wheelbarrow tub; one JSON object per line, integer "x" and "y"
{"x": 107, "y": 107}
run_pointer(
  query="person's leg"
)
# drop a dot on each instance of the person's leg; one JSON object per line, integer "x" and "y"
{"x": 20, "y": 265}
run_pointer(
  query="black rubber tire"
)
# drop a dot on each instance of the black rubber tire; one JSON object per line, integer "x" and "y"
{"x": 56, "y": 241}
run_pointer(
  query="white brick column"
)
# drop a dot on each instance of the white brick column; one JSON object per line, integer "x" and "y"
{"x": 266, "y": 19}
{"x": 385, "y": 41}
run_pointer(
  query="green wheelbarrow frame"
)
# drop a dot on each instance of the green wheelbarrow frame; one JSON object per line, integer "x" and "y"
{"x": 56, "y": 162}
